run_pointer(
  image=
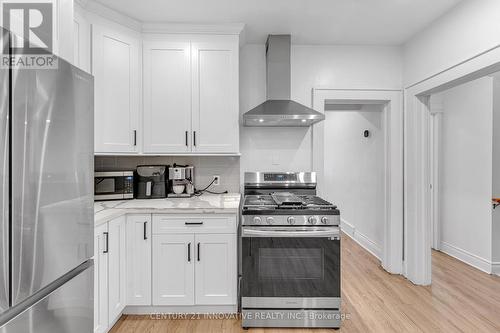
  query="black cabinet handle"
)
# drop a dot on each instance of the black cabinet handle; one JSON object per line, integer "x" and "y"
{"x": 194, "y": 138}
{"x": 145, "y": 230}
{"x": 135, "y": 137}
{"x": 193, "y": 223}
{"x": 106, "y": 237}
{"x": 189, "y": 252}
{"x": 198, "y": 251}
{"x": 186, "y": 138}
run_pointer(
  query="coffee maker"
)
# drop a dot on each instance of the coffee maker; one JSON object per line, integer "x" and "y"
{"x": 180, "y": 181}
{"x": 151, "y": 181}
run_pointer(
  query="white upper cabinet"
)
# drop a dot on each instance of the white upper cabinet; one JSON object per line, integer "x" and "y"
{"x": 191, "y": 101}
{"x": 215, "y": 96}
{"x": 116, "y": 66}
{"x": 167, "y": 96}
{"x": 81, "y": 38}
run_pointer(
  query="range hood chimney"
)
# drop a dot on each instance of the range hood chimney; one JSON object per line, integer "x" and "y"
{"x": 279, "y": 110}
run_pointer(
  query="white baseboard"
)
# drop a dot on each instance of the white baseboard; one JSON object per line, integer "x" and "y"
{"x": 185, "y": 309}
{"x": 467, "y": 257}
{"x": 360, "y": 238}
{"x": 495, "y": 268}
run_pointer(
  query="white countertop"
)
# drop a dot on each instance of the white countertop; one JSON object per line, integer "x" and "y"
{"x": 204, "y": 204}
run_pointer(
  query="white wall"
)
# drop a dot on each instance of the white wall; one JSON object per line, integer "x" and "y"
{"x": 496, "y": 172}
{"x": 340, "y": 67}
{"x": 354, "y": 172}
{"x": 472, "y": 27}
{"x": 466, "y": 172}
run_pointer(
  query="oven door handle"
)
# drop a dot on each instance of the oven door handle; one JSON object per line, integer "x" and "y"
{"x": 330, "y": 232}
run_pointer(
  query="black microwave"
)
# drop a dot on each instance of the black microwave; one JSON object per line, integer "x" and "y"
{"x": 113, "y": 185}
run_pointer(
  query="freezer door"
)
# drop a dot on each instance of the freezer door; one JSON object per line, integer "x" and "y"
{"x": 4, "y": 180}
{"x": 52, "y": 175}
{"x": 68, "y": 309}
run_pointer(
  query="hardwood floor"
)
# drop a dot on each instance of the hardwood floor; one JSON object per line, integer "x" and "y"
{"x": 461, "y": 299}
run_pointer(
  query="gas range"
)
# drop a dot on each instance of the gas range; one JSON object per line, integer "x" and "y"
{"x": 289, "y": 253}
{"x": 286, "y": 208}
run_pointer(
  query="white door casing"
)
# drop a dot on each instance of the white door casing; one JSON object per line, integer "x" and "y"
{"x": 392, "y": 248}
{"x": 418, "y": 199}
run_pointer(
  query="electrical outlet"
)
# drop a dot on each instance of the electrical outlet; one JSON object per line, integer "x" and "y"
{"x": 216, "y": 180}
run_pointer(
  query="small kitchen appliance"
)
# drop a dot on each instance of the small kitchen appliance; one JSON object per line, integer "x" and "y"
{"x": 113, "y": 185}
{"x": 289, "y": 253}
{"x": 181, "y": 181}
{"x": 151, "y": 181}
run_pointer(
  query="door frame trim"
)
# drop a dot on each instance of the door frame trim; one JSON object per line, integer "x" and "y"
{"x": 392, "y": 247}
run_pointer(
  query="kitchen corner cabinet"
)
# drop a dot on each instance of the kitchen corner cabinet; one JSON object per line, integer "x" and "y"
{"x": 194, "y": 260}
{"x": 117, "y": 95}
{"x": 139, "y": 259}
{"x": 100, "y": 279}
{"x": 191, "y": 94}
{"x": 116, "y": 268}
{"x": 109, "y": 273}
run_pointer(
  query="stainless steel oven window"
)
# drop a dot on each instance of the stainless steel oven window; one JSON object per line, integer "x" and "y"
{"x": 290, "y": 266}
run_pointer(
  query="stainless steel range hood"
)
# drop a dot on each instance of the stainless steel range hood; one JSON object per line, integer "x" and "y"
{"x": 279, "y": 110}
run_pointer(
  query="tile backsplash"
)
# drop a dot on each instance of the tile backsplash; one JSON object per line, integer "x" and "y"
{"x": 205, "y": 167}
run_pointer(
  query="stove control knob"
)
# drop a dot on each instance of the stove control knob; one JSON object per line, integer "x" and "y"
{"x": 257, "y": 220}
{"x": 313, "y": 220}
{"x": 324, "y": 220}
{"x": 291, "y": 220}
{"x": 270, "y": 220}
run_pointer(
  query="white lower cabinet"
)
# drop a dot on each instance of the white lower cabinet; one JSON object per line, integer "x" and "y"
{"x": 173, "y": 269}
{"x": 109, "y": 273}
{"x": 215, "y": 276}
{"x": 139, "y": 259}
{"x": 194, "y": 263}
{"x": 117, "y": 268}
{"x": 100, "y": 279}
{"x": 144, "y": 260}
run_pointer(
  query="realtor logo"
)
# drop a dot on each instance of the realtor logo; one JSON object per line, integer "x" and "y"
{"x": 31, "y": 25}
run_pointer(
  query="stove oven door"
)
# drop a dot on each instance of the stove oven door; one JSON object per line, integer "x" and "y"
{"x": 290, "y": 268}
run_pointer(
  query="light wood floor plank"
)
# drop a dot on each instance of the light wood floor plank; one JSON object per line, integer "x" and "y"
{"x": 461, "y": 299}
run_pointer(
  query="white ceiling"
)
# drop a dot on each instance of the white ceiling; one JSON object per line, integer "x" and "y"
{"x": 386, "y": 22}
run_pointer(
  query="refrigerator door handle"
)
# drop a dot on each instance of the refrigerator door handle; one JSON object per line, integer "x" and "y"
{"x": 106, "y": 239}
{"x": 145, "y": 230}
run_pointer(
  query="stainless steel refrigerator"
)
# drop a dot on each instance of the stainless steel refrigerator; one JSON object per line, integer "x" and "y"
{"x": 46, "y": 199}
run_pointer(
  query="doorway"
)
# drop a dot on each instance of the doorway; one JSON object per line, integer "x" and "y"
{"x": 461, "y": 156}
{"x": 418, "y": 196}
{"x": 354, "y": 170}
{"x": 390, "y": 102}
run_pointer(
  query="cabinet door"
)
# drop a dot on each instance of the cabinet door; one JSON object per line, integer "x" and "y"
{"x": 215, "y": 97}
{"x": 115, "y": 61}
{"x": 81, "y": 36}
{"x": 215, "y": 269}
{"x": 167, "y": 97}
{"x": 173, "y": 269}
{"x": 139, "y": 259}
{"x": 117, "y": 268}
{"x": 100, "y": 279}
